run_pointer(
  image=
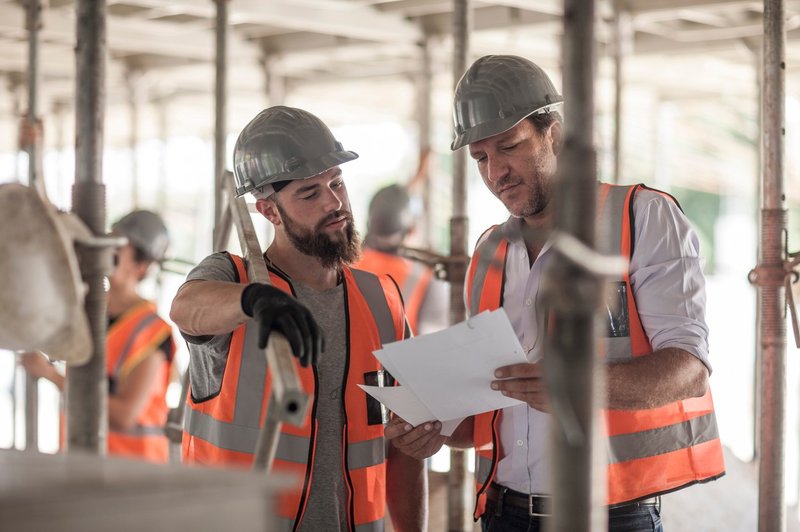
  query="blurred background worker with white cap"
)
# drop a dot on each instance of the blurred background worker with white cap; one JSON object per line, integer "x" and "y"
{"x": 139, "y": 345}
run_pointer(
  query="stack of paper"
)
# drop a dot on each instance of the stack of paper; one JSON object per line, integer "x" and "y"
{"x": 447, "y": 375}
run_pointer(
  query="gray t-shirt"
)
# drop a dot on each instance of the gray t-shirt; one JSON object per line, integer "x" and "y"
{"x": 327, "y": 504}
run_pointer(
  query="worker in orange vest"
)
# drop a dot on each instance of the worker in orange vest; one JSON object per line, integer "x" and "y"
{"x": 139, "y": 346}
{"x": 390, "y": 221}
{"x": 659, "y": 420}
{"x": 348, "y": 477}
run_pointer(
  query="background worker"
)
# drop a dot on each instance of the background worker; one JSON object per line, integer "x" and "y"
{"x": 139, "y": 346}
{"x": 391, "y": 220}
{"x": 290, "y": 161}
{"x": 660, "y": 416}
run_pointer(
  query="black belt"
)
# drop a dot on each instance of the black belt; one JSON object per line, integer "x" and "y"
{"x": 540, "y": 505}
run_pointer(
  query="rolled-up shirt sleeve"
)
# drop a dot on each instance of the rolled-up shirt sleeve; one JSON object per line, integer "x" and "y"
{"x": 666, "y": 274}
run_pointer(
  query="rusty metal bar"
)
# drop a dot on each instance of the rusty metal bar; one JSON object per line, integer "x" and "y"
{"x": 220, "y": 108}
{"x": 771, "y": 276}
{"x": 459, "y": 486}
{"x": 87, "y": 386}
{"x": 573, "y": 292}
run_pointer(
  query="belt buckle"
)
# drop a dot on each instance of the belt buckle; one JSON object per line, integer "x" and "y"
{"x": 531, "y": 513}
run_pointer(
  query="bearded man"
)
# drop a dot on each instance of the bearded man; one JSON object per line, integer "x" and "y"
{"x": 333, "y": 317}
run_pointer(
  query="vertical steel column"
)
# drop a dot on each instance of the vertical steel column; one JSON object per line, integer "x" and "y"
{"x": 133, "y": 79}
{"x": 87, "y": 387}
{"x": 162, "y": 108}
{"x": 622, "y": 46}
{"x": 274, "y": 80}
{"x": 33, "y": 147}
{"x": 424, "y": 96}
{"x": 220, "y": 108}
{"x": 770, "y": 278}
{"x": 459, "y": 486}
{"x": 573, "y": 293}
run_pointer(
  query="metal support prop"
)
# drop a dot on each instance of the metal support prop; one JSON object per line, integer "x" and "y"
{"x": 133, "y": 81}
{"x": 33, "y": 145}
{"x": 573, "y": 294}
{"x": 274, "y": 80}
{"x": 288, "y": 402}
{"x": 622, "y": 45}
{"x": 163, "y": 133}
{"x": 87, "y": 386}
{"x": 424, "y": 96}
{"x": 220, "y": 109}
{"x": 771, "y": 276}
{"x": 173, "y": 430}
{"x": 459, "y": 484}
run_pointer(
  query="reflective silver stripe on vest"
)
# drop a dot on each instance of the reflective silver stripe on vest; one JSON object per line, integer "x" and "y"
{"x": 485, "y": 255}
{"x": 609, "y": 242}
{"x": 140, "y": 430}
{"x": 654, "y": 442}
{"x": 139, "y": 327}
{"x": 252, "y": 378}
{"x": 366, "y": 453}
{"x": 375, "y": 526}
{"x": 292, "y": 448}
{"x": 483, "y": 467}
{"x": 370, "y": 287}
{"x": 413, "y": 278}
{"x": 223, "y": 435}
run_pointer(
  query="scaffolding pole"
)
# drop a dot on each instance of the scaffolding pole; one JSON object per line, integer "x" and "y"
{"x": 622, "y": 46}
{"x": 770, "y": 278}
{"x": 459, "y": 486}
{"x": 87, "y": 385}
{"x": 220, "y": 109}
{"x": 133, "y": 84}
{"x": 573, "y": 294}
{"x": 424, "y": 96}
{"x": 33, "y": 147}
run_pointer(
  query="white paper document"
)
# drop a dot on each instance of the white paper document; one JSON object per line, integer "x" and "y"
{"x": 446, "y": 375}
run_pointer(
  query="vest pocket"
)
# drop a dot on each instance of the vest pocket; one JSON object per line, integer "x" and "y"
{"x": 377, "y": 414}
{"x": 616, "y": 305}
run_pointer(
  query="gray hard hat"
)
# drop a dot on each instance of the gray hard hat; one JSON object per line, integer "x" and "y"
{"x": 496, "y": 93}
{"x": 390, "y": 211}
{"x": 283, "y": 144}
{"x": 146, "y": 232}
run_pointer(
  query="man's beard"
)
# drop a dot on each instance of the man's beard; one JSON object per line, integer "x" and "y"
{"x": 316, "y": 243}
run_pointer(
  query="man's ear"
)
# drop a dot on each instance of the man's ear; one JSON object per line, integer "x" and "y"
{"x": 268, "y": 210}
{"x": 556, "y": 134}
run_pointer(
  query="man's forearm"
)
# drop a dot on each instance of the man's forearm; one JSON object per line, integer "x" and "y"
{"x": 650, "y": 381}
{"x": 462, "y": 436}
{"x": 406, "y": 491}
{"x": 204, "y": 308}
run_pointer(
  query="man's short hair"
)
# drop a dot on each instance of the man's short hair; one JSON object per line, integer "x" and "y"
{"x": 542, "y": 121}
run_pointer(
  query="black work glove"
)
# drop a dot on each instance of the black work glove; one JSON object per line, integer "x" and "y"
{"x": 274, "y": 310}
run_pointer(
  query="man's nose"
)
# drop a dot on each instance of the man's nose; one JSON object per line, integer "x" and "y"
{"x": 332, "y": 201}
{"x": 496, "y": 169}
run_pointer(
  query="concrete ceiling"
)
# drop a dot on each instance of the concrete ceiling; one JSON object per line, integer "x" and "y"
{"x": 363, "y": 55}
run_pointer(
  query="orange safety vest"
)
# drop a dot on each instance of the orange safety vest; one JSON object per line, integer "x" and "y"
{"x": 131, "y": 338}
{"x": 651, "y": 451}
{"x": 412, "y": 277}
{"x": 223, "y": 430}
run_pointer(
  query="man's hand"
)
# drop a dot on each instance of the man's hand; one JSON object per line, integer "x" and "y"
{"x": 524, "y": 382}
{"x": 420, "y": 442}
{"x": 274, "y": 310}
{"x": 36, "y": 365}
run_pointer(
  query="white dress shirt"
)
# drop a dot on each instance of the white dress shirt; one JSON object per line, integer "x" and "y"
{"x": 669, "y": 289}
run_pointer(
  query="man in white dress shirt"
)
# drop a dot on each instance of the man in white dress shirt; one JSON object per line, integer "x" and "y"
{"x": 660, "y": 422}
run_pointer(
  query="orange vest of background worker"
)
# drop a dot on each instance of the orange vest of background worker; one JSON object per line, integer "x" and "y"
{"x": 139, "y": 347}
{"x": 389, "y": 222}
{"x": 223, "y": 429}
{"x": 652, "y": 451}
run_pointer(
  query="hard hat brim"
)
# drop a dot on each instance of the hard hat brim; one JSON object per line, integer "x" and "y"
{"x": 495, "y": 127}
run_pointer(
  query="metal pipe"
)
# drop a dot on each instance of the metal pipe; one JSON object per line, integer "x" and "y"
{"x": 622, "y": 45}
{"x": 133, "y": 85}
{"x": 220, "y": 107}
{"x": 163, "y": 133}
{"x": 87, "y": 387}
{"x": 274, "y": 80}
{"x": 424, "y": 96}
{"x": 771, "y": 276}
{"x": 573, "y": 294}
{"x": 459, "y": 485}
{"x": 33, "y": 147}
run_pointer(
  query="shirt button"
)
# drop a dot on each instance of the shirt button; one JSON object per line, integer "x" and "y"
{"x": 528, "y": 302}
{"x": 520, "y": 443}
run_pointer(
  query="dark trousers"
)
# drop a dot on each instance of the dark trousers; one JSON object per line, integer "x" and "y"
{"x": 629, "y": 518}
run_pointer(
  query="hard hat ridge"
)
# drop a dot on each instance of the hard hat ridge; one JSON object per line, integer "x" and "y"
{"x": 283, "y": 144}
{"x": 146, "y": 232}
{"x": 496, "y": 93}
